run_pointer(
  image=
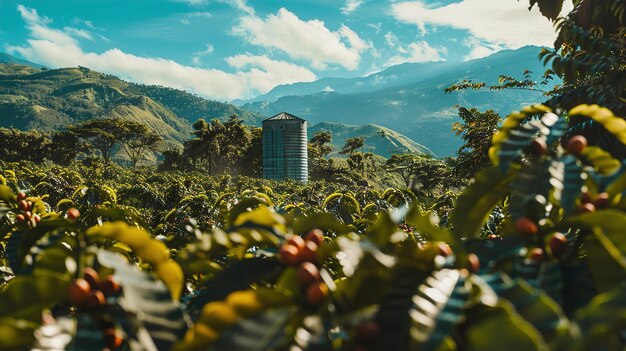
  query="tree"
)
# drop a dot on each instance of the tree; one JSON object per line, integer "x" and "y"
{"x": 17, "y": 145}
{"x": 419, "y": 171}
{"x": 218, "y": 146}
{"x": 238, "y": 140}
{"x": 138, "y": 144}
{"x": 174, "y": 160}
{"x": 589, "y": 55}
{"x": 251, "y": 163}
{"x": 320, "y": 144}
{"x": 352, "y": 145}
{"x": 107, "y": 134}
{"x": 476, "y": 130}
{"x": 402, "y": 165}
{"x": 206, "y": 147}
{"x": 64, "y": 147}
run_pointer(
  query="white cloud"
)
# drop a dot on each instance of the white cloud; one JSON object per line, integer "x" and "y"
{"x": 355, "y": 41}
{"x": 241, "y": 5}
{"x": 188, "y": 17}
{"x": 193, "y": 2}
{"x": 309, "y": 40}
{"x": 376, "y": 26}
{"x": 479, "y": 49}
{"x": 391, "y": 40}
{"x": 79, "y": 33}
{"x": 259, "y": 68}
{"x": 499, "y": 22}
{"x": 419, "y": 51}
{"x": 197, "y": 56}
{"x": 56, "y": 48}
{"x": 351, "y": 6}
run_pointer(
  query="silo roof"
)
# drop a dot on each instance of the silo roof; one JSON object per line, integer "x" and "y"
{"x": 284, "y": 116}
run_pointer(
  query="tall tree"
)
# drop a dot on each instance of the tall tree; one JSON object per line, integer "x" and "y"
{"x": 476, "y": 130}
{"x": 206, "y": 147}
{"x": 320, "y": 144}
{"x": 64, "y": 147}
{"x": 419, "y": 171}
{"x": 589, "y": 55}
{"x": 352, "y": 145}
{"x": 138, "y": 144}
{"x": 251, "y": 163}
{"x": 239, "y": 139}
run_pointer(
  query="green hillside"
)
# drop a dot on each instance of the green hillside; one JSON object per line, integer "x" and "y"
{"x": 48, "y": 99}
{"x": 378, "y": 140}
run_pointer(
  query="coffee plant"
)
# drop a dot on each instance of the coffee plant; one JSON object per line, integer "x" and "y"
{"x": 530, "y": 256}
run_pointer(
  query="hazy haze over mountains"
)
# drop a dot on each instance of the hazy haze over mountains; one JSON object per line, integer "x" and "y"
{"x": 406, "y": 100}
{"x": 409, "y": 97}
{"x": 34, "y": 98}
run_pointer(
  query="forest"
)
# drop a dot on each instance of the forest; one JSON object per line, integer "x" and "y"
{"x": 110, "y": 239}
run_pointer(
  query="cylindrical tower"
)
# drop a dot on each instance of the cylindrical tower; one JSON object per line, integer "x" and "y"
{"x": 285, "y": 148}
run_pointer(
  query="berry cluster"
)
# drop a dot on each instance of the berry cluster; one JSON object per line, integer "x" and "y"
{"x": 590, "y": 203}
{"x": 301, "y": 253}
{"x": 90, "y": 293}
{"x": 26, "y": 215}
{"x": 557, "y": 242}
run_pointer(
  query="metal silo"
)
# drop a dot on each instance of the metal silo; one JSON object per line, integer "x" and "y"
{"x": 285, "y": 148}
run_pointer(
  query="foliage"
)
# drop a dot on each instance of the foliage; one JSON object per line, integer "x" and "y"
{"x": 589, "y": 56}
{"x": 419, "y": 172}
{"x": 476, "y": 130}
{"x": 533, "y": 253}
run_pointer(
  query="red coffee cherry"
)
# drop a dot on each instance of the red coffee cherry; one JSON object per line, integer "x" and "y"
{"x": 576, "y": 144}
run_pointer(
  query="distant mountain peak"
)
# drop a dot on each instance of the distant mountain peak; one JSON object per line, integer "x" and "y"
{"x": 6, "y": 58}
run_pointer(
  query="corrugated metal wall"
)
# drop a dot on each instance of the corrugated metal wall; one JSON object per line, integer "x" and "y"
{"x": 285, "y": 150}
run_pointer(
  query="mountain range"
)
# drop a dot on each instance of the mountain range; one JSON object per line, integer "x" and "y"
{"x": 49, "y": 99}
{"x": 408, "y": 98}
{"x": 403, "y": 107}
{"x": 34, "y": 97}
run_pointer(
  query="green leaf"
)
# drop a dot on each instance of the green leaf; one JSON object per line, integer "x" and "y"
{"x": 607, "y": 264}
{"x": 613, "y": 124}
{"x": 573, "y": 181}
{"x": 6, "y": 195}
{"x": 88, "y": 335}
{"x": 235, "y": 277}
{"x": 25, "y": 297}
{"x": 499, "y": 327}
{"x": 545, "y": 275}
{"x": 368, "y": 269}
{"x": 16, "y": 334}
{"x": 148, "y": 300}
{"x": 474, "y": 205}
{"x": 578, "y": 285}
{"x": 605, "y": 244}
{"x": 601, "y": 160}
{"x": 428, "y": 223}
{"x": 323, "y": 221}
{"x": 393, "y": 313}
{"x": 438, "y": 307}
{"x": 549, "y": 8}
{"x": 532, "y": 304}
{"x": 264, "y": 331}
{"x": 507, "y": 142}
{"x": 601, "y": 323}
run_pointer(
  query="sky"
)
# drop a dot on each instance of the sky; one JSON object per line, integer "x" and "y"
{"x": 238, "y": 49}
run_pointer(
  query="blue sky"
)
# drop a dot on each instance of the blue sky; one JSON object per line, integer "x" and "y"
{"x": 234, "y": 49}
